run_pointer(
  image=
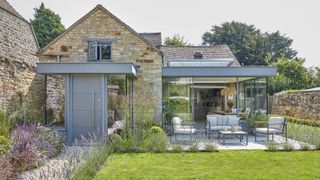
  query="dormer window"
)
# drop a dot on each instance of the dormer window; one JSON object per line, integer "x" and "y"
{"x": 99, "y": 51}
{"x": 197, "y": 55}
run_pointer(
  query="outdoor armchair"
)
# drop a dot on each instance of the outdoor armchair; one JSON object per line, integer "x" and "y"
{"x": 275, "y": 125}
{"x": 181, "y": 128}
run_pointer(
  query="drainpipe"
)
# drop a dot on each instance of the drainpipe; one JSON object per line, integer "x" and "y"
{"x": 267, "y": 94}
{"x": 237, "y": 95}
{"x": 132, "y": 113}
{"x": 45, "y": 101}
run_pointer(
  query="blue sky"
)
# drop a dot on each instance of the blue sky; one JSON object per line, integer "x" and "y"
{"x": 297, "y": 19}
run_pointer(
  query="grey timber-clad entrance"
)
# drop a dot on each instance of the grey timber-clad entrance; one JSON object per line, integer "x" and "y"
{"x": 86, "y": 94}
{"x": 87, "y": 103}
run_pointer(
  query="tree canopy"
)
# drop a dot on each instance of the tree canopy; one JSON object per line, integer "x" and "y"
{"x": 249, "y": 44}
{"x": 291, "y": 75}
{"x": 46, "y": 24}
{"x": 176, "y": 40}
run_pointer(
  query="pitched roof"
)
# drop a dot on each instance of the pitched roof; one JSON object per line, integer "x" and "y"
{"x": 6, "y": 6}
{"x": 99, "y": 6}
{"x": 215, "y": 52}
{"x": 153, "y": 38}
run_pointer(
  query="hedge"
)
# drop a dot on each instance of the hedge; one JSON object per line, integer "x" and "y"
{"x": 307, "y": 122}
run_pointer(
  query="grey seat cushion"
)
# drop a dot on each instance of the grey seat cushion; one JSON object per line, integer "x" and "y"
{"x": 220, "y": 128}
{"x": 185, "y": 131}
{"x": 265, "y": 130}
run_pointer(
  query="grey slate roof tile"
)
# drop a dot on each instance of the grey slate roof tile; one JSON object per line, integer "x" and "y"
{"x": 153, "y": 38}
{"x": 214, "y": 52}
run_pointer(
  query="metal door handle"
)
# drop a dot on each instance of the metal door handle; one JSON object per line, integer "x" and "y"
{"x": 92, "y": 108}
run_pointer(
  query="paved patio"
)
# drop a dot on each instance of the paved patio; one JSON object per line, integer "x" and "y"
{"x": 231, "y": 142}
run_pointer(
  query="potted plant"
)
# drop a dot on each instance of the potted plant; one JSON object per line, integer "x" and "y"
{"x": 169, "y": 113}
{"x": 256, "y": 120}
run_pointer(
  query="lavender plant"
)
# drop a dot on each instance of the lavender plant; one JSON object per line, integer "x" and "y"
{"x": 32, "y": 145}
{"x": 306, "y": 135}
{"x": 24, "y": 147}
{"x": 6, "y": 170}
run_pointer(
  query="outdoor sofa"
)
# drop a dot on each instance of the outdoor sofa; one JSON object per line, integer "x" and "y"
{"x": 217, "y": 123}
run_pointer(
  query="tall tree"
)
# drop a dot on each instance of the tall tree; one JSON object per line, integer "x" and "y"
{"x": 315, "y": 71}
{"x": 249, "y": 44}
{"x": 291, "y": 75}
{"x": 176, "y": 40}
{"x": 46, "y": 24}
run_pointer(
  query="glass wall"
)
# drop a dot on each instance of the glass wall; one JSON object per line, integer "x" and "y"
{"x": 177, "y": 98}
{"x": 118, "y": 102}
{"x": 192, "y": 99}
{"x": 253, "y": 95}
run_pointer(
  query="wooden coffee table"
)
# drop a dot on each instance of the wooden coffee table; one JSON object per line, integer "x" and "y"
{"x": 239, "y": 134}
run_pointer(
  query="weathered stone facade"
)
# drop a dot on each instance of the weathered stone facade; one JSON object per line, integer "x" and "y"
{"x": 18, "y": 47}
{"x": 55, "y": 98}
{"x": 301, "y": 104}
{"x": 127, "y": 46}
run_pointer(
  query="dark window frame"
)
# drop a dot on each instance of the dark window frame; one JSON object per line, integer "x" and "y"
{"x": 97, "y": 45}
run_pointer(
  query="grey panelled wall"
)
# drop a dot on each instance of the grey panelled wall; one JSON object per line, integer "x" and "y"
{"x": 85, "y": 105}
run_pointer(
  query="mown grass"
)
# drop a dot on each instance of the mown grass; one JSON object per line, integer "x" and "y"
{"x": 221, "y": 165}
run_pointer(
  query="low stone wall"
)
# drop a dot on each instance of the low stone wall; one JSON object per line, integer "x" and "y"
{"x": 301, "y": 104}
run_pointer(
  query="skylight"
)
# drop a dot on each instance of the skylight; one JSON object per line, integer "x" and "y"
{"x": 200, "y": 63}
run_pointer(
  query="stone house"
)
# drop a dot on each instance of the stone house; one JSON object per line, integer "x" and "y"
{"x": 18, "y": 48}
{"x": 99, "y": 56}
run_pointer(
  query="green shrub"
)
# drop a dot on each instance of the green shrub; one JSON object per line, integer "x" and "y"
{"x": 314, "y": 123}
{"x": 116, "y": 143}
{"x": 305, "y": 147}
{"x": 288, "y": 147}
{"x": 156, "y": 129}
{"x": 317, "y": 146}
{"x": 156, "y": 140}
{"x": 209, "y": 147}
{"x": 5, "y": 145}
{"x": 130, "y": 145}
{"x": 272, "y": 147}
{"x": 258, "y": 117}
{"x": 168, "y": 111}
{"x": 5, "y": 124}
{"x": 176, "y": 148}
{"x": 193, "y": 148}
{"x": 304, "y": 133}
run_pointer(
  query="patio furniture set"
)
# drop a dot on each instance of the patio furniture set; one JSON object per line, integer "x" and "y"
{"x": 230, "y": 125}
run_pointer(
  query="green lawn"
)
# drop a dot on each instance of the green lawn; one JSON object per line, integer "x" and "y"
{"x": 221, "y": 165}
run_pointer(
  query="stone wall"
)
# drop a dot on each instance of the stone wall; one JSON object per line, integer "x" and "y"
{"x": 301, "y": 104}
{"x": 18, "y": 59}
{"x": 55, "y": 98}
{"x": 126, "y": 47}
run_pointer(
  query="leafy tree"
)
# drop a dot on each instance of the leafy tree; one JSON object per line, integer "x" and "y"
{"x": 278, "y": 46}
{"x": 315, "y": 71}
{"x": 291, "y": 75}
{"x": 176, "y": 40}
{"x": 46, "y": 24}
{"x": 249, "y": 44}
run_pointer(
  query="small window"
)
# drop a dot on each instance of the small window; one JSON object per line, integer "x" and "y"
{"x": 99, "y": 51}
